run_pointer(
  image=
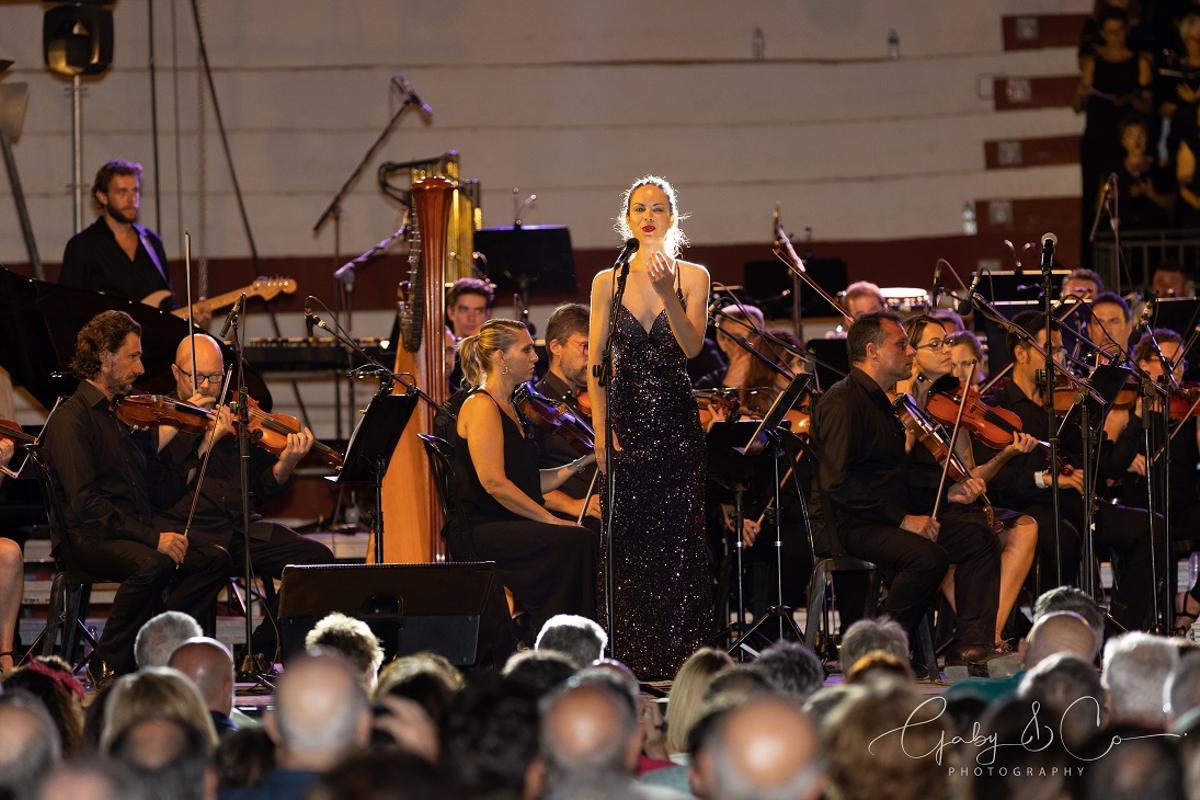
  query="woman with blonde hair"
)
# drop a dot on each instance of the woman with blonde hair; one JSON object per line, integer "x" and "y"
{"x": 155, "y": 691}
{"x": 548, "y": 563}
{"x": 663, "y": 600}
{"x": 685, "y": 703}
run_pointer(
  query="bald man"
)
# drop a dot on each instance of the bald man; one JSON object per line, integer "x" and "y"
{"x": 766, "y": 747}
{"x": 30, "y": 746}
{"x": 218, "y": 519}
{"x": 208, "y": 664}
{"x": 321, "y": 715}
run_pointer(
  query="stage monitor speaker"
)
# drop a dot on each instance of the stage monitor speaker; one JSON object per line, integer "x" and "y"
{"x": 455, "y": 609}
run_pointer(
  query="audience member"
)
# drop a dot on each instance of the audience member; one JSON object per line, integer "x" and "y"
{"x": 29, "y": 748}
{"x": 161, "y": 634}
{"x": 766, "y": 748}
{"x": 170, "y": 756}
{"x": 878, "y": 665}
{"x": 209, "y": 665}
{"x": 243, "y": 757}
{"x": 353, "y": 639}
{"x": 740, "y": 680}
{"x": 1069, "y": 687}
{"x": 687, "y": 694}
{"x": 1137, "y": 768}
{"x": 578, "y": 638}
{"x": 321, "y": 715}
{"x": 1181, "y": 695}
{"x": 792, "y": 669}
{"x": 92, "y": 778}
{"x": 866, "y": 635}
{"x": 150, "y": 691}
{"x": 1071, "y": 598}
{"x": 1029, "y": 762}
{"x": 489, "y": 739}
{"x": 49, "y": 679}
{"x": 404, "y": 723}
{"x": 828, "y": 699}
{"x": 1136, "y": 668}
{"x": 541, "y": 670}
{"x": 380, "y": 774}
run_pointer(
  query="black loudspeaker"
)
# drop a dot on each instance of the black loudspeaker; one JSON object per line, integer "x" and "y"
{"x": 455, "y": 609}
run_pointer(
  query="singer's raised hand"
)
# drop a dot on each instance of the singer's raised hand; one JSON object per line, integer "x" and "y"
{"x": 662, "y": 274}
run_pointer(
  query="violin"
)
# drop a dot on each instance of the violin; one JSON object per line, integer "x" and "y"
{"x": 1185, "y": 402}
{"x": 584, "y": 401}
{"x": 551, "y": 417}
{"x": 268, "y": 431}
{"x": 992, "y": 425}
{"x": 717, "y": 404}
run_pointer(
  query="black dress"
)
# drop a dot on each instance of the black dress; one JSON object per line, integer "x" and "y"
{"x": 663, "y": 570}
{"x": 550, "y": 569}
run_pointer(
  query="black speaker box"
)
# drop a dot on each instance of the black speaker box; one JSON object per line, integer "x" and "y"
{"x": 455, "y": 609}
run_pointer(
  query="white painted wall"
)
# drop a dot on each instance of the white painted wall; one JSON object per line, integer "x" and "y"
{"x": 566, "y": 99}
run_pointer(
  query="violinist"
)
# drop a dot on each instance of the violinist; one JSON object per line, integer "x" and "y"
{"x": 1024, "y": 483}
{"x": 548, "y": 563}
{"x": 218, "y": 519}
{"x": 966, "y": 353}
{"x": 110, "y": 480}
{"x": 1019, "y": 536}
{"x": 565, "y": 379}
{"x": 1129, "y": 455}
{"x": 883, "y": 516}
{"x": 1110, "y": 325}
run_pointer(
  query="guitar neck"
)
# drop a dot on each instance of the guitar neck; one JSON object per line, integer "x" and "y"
{"x": 213, "y": 303}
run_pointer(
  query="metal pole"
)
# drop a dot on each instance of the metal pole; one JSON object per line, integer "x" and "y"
{"x": 77, "y": 153}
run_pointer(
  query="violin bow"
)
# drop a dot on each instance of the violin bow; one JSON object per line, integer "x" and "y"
{"x": 187, "y": 270}
{"x": 785, "y": 252}
{"x": 212, "y": 440}
{"x": 587, "y": 497}
{"x": 962, "y": 402}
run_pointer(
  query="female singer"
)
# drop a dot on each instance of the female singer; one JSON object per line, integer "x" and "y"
{"x": 663, "y": 600}
{"x": 1019, "y": 536}
{"x": 549, "y": 564}
{"x": 12, "y": 581}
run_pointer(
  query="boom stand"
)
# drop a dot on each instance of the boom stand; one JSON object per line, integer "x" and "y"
{"x": 371, "y": 446}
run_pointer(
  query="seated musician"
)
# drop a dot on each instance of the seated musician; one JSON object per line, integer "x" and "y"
{"x": 1129, "y": 455}
{"x": 12, "y": 581}
{"x": 116, "y": 255}
{"x": 863, "y": 297}
{"x": 1110, "y": 325}
{"x": 468, "y": 305}
{"x": 547, "y": 562}
{"x": 881, "y": 516}
{"x": 565, "y": 379}
{"x": 218, "y": 519}
{"x": 110, "y": 481}
{"x": 966, "y": 353}
{"x": 1019, "y": 534}
{"x": 1082, "y": 283}
{"x": 1024, "y": 483}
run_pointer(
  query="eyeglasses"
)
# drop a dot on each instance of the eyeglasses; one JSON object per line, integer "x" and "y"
{"x": 935, "y": 344}
{"x": 211, "y": 378}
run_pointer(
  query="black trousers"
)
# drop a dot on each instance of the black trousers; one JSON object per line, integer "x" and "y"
{"x": 144, "y": 574}
{"x": 919, "y": 566}
{"x": 551, "y": 569}
{"x": 272, "y": 547}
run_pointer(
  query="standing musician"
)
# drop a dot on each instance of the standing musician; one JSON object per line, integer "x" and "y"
{"x": 1129, "y": 455}
{"x": 1019, "y": 536}
{"x": 565, "y": 379}
{"x": 549, "y": 563}
{"x": 110, "y": 480}
{"x": 1025, "y": 481}
{"x": 882, "y": 515}
{"x": 115, "y": 254}
{"x": 218, "y": 518}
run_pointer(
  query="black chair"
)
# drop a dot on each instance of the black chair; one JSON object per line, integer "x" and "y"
{"x": 71, "y": 588}
{"x": 460, "y": 546}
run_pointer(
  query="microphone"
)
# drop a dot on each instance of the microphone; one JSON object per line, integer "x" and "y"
{"x": 1049, "y": 242}
{"x": 233, "y": 315}
{"x": 937, "y": 284}
{"x": 631, "y": 247}
{"x": 1147, "y": 312}
{"x": 967, "y": 303}
{"x": 308, "y": 316}
{"x": 411, "y": 98}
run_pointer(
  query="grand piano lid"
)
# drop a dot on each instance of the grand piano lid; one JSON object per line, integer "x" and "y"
{"x": 39, "y": 322}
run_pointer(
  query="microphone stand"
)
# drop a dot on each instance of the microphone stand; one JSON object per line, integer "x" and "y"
{"x": 603, "y": 374}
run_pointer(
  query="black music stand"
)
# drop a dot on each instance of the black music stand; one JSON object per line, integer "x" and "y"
{"x": 371, "y": 446}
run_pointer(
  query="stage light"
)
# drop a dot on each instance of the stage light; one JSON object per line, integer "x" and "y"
{"x": 77, "y": 38}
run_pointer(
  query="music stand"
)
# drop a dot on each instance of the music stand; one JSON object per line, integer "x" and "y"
{"x": 371, "y": 446}
{"x": 532, "y": 257}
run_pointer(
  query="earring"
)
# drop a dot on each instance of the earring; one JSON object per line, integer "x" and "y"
{"x": 504, "y": 369}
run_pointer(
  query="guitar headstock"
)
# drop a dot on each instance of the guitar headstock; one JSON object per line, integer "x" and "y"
{"x": 268, "y": 287}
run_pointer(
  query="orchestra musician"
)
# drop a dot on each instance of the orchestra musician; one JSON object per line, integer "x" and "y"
{"x": 110, "y": 481}
{"x": 1019, "y": 536}
{"x": 1082, "y": 283}
{"x": 115, "y": 254}
{"x": 218, "y": 518}
{"x": 547, "y": 562}
{"x": 1025, "y": 481}
{"x": 468, "y": 305}
{"x": 564, "y": 381}
{"x": 966, "y": 353}
{"x": 12, "y": 580}
{"x": 883, "y": 515}
{"x": 1110, "y": 325}
{"x": 1129, "y": 454}
{"x": 863, "y": 297}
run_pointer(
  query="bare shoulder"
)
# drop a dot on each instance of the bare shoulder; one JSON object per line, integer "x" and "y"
{"x": 692, "y": 274}
{"x": 603, "y": 280}
{"x": 478, "y": 406}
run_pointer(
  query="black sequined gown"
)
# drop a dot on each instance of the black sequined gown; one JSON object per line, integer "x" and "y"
{"x": 664, "y": 591}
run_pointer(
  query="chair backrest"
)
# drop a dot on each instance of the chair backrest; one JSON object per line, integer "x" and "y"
{"x": 60, "y": 543}
{"x": 460, "y": 545}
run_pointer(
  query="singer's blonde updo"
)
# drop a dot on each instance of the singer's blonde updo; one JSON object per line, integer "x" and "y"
{"x": 675, "y": 240}
{"x": 475, "y": 352}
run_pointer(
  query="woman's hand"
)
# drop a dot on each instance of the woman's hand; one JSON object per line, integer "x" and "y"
{"x": 662, "y": 274}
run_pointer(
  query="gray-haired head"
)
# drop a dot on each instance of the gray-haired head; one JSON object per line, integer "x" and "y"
{"x": 1181, "y": 694}
{"x": 321, "y": 710}
{"x": 792, "y": 669}
{"x": 866, "y": 635}
{"x": 161, "y": 634}
{"x": 766, "y": 749}
{"x": 578, "y": 638}
{"x": 30, "y": 746}
{"x": 588, "y": 730}
{"x": 1136, "y": 668}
